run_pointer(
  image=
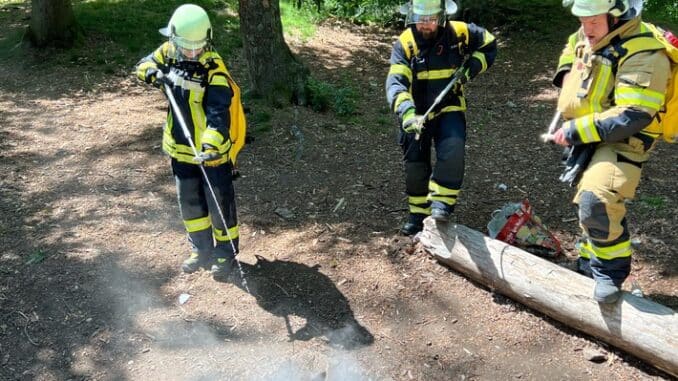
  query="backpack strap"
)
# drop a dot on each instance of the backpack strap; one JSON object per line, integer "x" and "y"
{"x": 408, "y": 43}
{"x": 460, "y": 30}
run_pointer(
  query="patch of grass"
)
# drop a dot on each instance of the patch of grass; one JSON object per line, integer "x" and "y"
{"x": 260, "y": 122}
{"x": 324, "y": 96}
{"x": 298, "y": 21}
{"x": 654, "y": 202}
{"x": 115, "y": 34}
{"x": 36, "y": 257}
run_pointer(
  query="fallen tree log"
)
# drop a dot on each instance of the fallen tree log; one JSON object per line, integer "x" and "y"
{"x": 636, "y": 325}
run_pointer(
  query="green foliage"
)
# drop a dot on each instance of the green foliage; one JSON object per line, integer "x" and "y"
{"x": 259, "y": 122}
{"x": 363, "y": 11}
{"x": 654, "y": 202}
{"x": 661, "y": 11}
{"x": 36, "y": 258}
{"x": 323, "y": 96}
{"x": 319, "y": 94}
{"x": 115, "y": 34}
{"x": 298, "y": 21}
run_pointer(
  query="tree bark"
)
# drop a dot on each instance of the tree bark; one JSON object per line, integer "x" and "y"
{"x": 52, "y": 23}
{"x": 275, "y": 74}
{"x": 638, "y": 326}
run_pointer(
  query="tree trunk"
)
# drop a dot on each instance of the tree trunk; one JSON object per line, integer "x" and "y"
{"x": 275, "y": 74}
{"x": 638, "y": 326}
{"x": 52, "y": 23}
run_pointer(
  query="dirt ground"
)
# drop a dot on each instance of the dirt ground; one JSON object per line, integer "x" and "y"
{"x": 90, "y": 286}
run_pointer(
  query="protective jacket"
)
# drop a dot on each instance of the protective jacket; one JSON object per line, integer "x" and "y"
{"x": 612, "y": 93}
{"x": 202, "y": 91}
{"x": 420, "y": 69}
{"x": 608, "y": 99}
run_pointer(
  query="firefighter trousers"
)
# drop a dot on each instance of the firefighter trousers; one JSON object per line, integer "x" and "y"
{"x": 434, "y": 185}
{"x": 207, "y": 234}
{"x": 610, "y": 179}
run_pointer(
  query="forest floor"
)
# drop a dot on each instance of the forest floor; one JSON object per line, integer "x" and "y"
{"x": 91, "y": 238}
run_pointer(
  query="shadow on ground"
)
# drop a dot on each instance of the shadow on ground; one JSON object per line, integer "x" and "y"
{"x": 286, "y": 289}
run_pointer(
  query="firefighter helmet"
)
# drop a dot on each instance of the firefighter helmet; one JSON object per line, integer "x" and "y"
{"x": 585, "y": 8}
{"x": 189, "y": 30}
{"x": 424, "y": 11}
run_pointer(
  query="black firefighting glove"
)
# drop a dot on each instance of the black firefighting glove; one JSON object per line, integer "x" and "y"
{"x": 576, "y": 162}
{"x": 157, "y": 76}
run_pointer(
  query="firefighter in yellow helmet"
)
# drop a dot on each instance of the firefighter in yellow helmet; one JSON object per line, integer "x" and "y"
{"x": 613, "y": 83}
{"x": 197, "y": 77}
{"x": 424, "y": 59}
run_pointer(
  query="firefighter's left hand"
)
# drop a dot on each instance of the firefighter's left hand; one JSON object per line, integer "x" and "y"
{"x": 465, "y": 75}
{"x": 209, "y": 156}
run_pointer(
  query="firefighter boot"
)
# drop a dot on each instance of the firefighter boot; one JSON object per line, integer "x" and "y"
{"x": 414, "y": 224}
{"x": 606, "y": 291}
{"x": 221, "y": 268}
{"x": 440, "y": 212}
{"x": 193, "y": 263}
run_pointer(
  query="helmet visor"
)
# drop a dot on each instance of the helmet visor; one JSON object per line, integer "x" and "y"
{"x": 183, "y": 50}
{"x": 413, "y": 18}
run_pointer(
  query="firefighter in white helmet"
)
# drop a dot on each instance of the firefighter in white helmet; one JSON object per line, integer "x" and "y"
{"x": 199, "y": 82}
{"x": 613, "y": 83}
{"x": 423, "y": 61}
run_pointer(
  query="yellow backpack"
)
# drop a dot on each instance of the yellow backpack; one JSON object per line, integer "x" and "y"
{"x": 238, "y": 123}
{"x": 666, "y": 121}
{"x": 667, "y": 118}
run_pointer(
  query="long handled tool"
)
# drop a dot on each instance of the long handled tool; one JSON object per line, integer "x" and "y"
{"x": 187, "y": 134}
{"x": 455, "y": 78}
{"x": 548, "y": 136}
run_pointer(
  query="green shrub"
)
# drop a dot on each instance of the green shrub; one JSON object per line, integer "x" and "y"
{"x": 324, "y": 96}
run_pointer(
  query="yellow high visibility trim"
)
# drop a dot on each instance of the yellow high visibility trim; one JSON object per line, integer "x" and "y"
{"x": 441, "y": 190}
{"x": 197, "y": 224}
{"x": 487, "y": 38}
{"x": 402, "y": 97}
{"x": 221, "y": 236}
{"x": 443, "y": 110}
{"x": 212, "y": 137}
{"x": 435, "y": 74}
{"x": 461, "y": 30}
{"x": 197, "y": 115}
{"x": 585, "y": 250}
{"x": 630, "y": 96}
{"x": 620, "y": 250}
{"x": 449, "y": 200}
{"x": 481, "y": 57}
{"x": 400, "y": 69}
{"x": 416, "y": 200}
{"x": 409, "y": 45}
{"x": 599, "y": 89}
{"x": 420, "y": 210}
{"x": 143, "y": 68}
{"x": 651, "y": 134}
{"x": 586, "y": 128}
{"x": 219, "y": 80}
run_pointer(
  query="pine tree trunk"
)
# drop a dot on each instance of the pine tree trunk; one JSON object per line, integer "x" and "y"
{"x": 275, "y": 74}
{"x": 52, "y": 23}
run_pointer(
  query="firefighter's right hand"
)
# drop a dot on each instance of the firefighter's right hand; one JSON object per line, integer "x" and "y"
{"x": 413, "y": 124}
{"x": 160, "y": 79}
{"x": 209, "y": 156}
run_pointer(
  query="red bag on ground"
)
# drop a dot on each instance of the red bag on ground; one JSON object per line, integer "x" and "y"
{"x": 517, "y": 225}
